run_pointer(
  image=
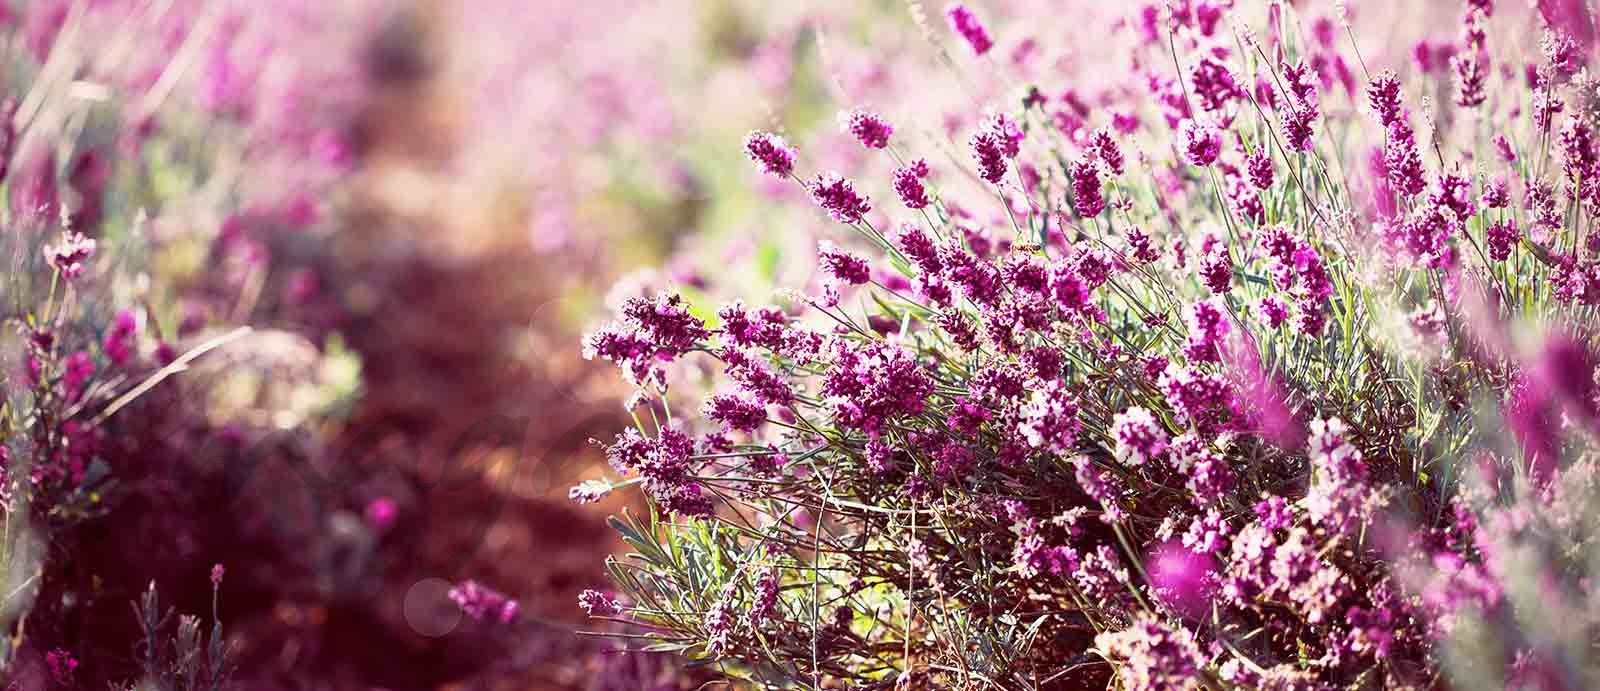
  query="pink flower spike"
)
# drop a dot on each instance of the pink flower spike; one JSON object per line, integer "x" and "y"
{"x": 966, "y": 24}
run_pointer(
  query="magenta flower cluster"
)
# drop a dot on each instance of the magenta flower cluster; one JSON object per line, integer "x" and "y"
{"x": 775, "y": 156}
{"x": 1258, "y": 366}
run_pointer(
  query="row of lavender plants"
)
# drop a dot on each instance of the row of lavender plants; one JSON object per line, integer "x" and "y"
{"x": 1265, "y": 363}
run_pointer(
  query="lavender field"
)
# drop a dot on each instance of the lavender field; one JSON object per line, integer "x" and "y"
{"x": 881, "y": 345}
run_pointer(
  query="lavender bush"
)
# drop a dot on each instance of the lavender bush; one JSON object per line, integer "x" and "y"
{"x": 1270, "y": 363}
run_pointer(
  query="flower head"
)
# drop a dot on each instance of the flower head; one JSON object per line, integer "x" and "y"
{"x": 989, "y": 151}
{"x": 775, "y": 156}
{"x": 598, "y": 604}
{"x": 1201, "y": 142}
{"x": 1383, "y": 94}
{"x": 867, "y": 127}
{"x": 908, "y": 184}
{"x": 1139, "y": 435}
{"x": 837, "y": 195}
{"x": 1087, "y": 196}
{"x": 69, "y": 256}
{"x": 842, "y": 265}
